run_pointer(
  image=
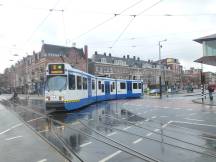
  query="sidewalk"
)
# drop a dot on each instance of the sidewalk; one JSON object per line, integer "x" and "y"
{"x": 23, "y": 96}
{"x": 206, "y": 101}
{"x": 18, "y": 143}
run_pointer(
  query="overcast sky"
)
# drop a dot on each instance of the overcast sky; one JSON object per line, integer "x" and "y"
{"x": 25, "y": 23}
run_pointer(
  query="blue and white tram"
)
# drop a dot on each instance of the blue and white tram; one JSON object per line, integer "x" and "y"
{"x": 70, "y": 89}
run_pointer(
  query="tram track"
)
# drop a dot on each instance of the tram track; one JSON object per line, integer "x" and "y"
{"x": 123, "y": 149}
{"x": 212, "y": 152}
{"x": 131, "y": 123}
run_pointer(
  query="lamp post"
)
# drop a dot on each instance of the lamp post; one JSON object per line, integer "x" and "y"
{"x": 160, "y": 46}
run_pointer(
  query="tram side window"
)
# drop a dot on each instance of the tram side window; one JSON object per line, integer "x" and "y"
{"x": 134, "y": 85}
{"x": 102, "y": 85}
{"x": 113, "y": 85}
{"x": 79, "y": 82}
{"x": 93, "y": 84}
{"x": 122, "y": 85}
{"x": 99, "y": 84}
{"x": 140, "y": 86}
{"x": 72, "y": 84}
{"x": 84, "y": 83}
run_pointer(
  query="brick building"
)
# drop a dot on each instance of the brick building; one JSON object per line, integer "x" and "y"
{"x": 28, "y": 75}
{"x": 192, "y": 77}
{"x": 127, "y": 67}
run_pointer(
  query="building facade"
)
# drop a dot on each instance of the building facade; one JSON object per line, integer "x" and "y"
{"x": 127, "y": 67}
{"x": 28, "y": 75}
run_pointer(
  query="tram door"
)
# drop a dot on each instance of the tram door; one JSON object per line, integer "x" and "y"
{"x": 107, "y": 87}
{"x": 129, "y": 87}
{"x": 89, "y": 87}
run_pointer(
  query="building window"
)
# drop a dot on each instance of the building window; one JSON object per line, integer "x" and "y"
{"x": 84, "y": 83}
{"x": 79, "y": 82}
{"x": 134, "y": 85}
{"x": 99, "y": 84}
{"x": 93, "y": 84}
{"x": 122, "y": 85}
{"x": 103, "y": 60}
{"x": 72, "y": 84}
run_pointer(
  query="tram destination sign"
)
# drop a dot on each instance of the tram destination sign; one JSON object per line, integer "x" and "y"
{"x": 56, "y": 69}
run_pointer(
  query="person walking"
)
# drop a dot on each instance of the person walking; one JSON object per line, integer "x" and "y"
{"x": 211, "y": 90}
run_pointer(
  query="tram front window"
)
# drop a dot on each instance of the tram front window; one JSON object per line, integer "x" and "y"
{"x": 56, "y": 83}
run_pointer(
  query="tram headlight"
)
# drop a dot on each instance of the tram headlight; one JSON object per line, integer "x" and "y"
{"x": 61, "y": 98}
{"x": 47, "y": 98}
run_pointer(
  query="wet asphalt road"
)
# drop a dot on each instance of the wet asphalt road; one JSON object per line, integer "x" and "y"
{"x": 172, "y": 129}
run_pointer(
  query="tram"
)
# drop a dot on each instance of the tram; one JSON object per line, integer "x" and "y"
{"x": 68, "y": 88}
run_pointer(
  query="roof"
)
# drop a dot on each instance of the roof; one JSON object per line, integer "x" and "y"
{"x": 55, "y": 49}
{"x": 206, "y": 38}
{"x": 208, "y": 60}
{"x": 131, "y": 62}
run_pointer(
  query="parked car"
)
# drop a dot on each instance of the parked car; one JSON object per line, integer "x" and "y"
{"x": 154, "y": 91}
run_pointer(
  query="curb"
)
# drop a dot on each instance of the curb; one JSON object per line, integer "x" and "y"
{"x": 200, "y": 102}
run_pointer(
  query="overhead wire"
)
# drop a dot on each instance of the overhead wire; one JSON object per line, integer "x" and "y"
{"x": 41, "y": 23}
{"x": 107, "y": 20}
{"x": 134, "y": 16}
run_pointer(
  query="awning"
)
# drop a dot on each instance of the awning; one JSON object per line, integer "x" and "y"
{"x": 208, "y": 60}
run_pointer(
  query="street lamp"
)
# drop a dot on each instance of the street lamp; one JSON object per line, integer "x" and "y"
{"x": 160, "y": 46}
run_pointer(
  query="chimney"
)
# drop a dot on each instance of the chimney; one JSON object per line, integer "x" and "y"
{"x": 124, "y": 57}
{"x": 134, "y": 57}
{"x": 110, "y": 55}
{"x": 96, "y": 53}
{"x": 128, "y": 56}
{"x": 138, "y": 58}
{"x": 104, "y": 53}
{"x": 86, "y": 52}
{"x": 74, "y": 44}
{"x": 86, "y": 56}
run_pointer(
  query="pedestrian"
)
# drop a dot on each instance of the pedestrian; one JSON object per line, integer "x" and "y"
{"x": 211, "y": 90}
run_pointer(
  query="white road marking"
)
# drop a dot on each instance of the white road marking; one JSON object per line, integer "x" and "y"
{"x": 164, "y": 116}
{"x": 165, "y": 125}
{"x": 35, "y": 119}
{"x": 165, "y": 107}
{"x": 156, "y": 130}
{"x": 85, "y": 144}
{"x": 192, "y": 114}
{"x": 132, "y": 116}
{"x": 189, "y": 109}
{"x": 137, "y": 141}
{"x": 193, "y": 119}
{"x": 147, "y": 120}
{"x": 153, "y": 117}
{"x": 45, "y": 130}
{"x": 123, "y": 118}
{"x": 149, "y": 134}
{"x": 177, "y": 108}
{"x": 110, "y": 156}
{"x": 111, "y": 134}
{"x": 43, "y": 160}
{"x": 170, "y": 122}
{"x": 139, "y": 113}
{"x": 8, "y": 139}
{"x": 17, "y": 125}
{"x": 141, "y": 123}
{"x": 145, "y": 112}
{"x": 208, "y": 125}
{"x": 126, "y": 128}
